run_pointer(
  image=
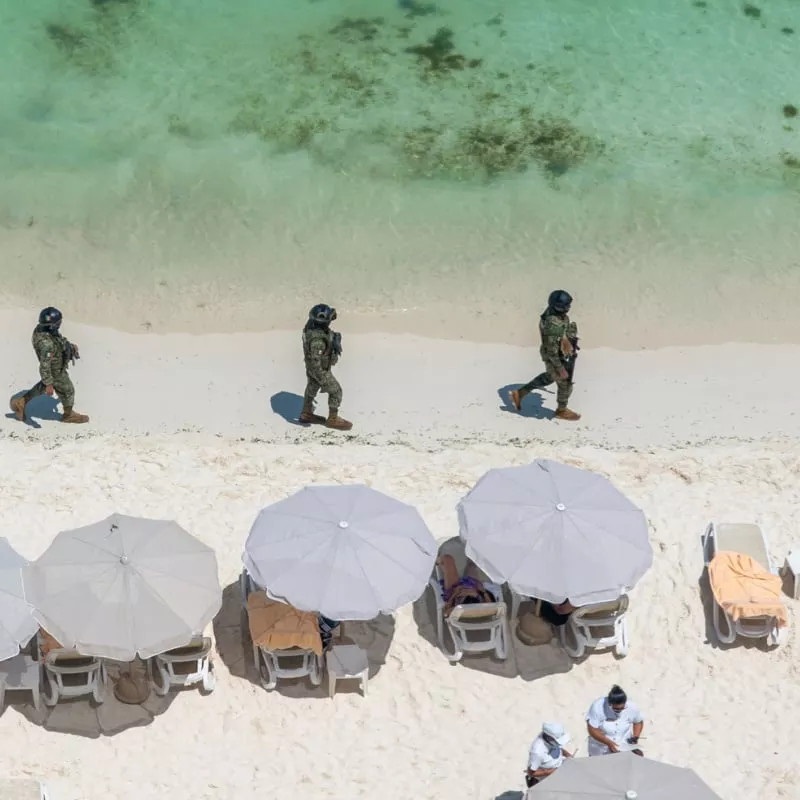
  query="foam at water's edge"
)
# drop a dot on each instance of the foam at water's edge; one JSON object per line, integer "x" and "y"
{"x": 176, "y": 165}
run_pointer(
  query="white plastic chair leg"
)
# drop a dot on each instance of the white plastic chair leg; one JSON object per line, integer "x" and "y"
{"x": 209, "y": 678}
{"x": 579, "y": 649}
{"x": 50, "y": 691}
{"x": 162, "y": 686}
{"x": 719, "y": 615}
{"x": 315, "y": 674}
{"x": 503, "y": 634}
{"x": 457, "y": 653}
{"x": 364, "y": 682}
{"x": 37, "y": 697}
{"x": 268, "y": 680}
{"x": 623, "y": 644}
{"x": 99, "y": 691}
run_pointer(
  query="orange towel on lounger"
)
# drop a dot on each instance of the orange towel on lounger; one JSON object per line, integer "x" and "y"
{"x": 278, "y": 626}
{"x": 743, "y": 588}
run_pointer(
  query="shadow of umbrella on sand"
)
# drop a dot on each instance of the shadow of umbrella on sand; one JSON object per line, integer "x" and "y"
{"x": 235, "y": 647}
{"x": 81, "y": 716}
{"x": 124, "y": 589}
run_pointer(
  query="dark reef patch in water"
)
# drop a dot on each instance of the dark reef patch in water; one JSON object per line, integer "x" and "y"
{"x": 438, "y": 55}
{"x": 494, "y": 128}
{"x": 95, "y": 48}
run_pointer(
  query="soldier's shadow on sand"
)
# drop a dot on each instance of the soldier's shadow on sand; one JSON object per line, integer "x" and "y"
{"x": 288, "y": 405}
{"x": 531, "y": 406}
{"x": 40, "y": 408}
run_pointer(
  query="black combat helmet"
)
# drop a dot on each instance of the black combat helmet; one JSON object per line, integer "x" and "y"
{"x": 322, "y": 314}
{"x": 50, "y": 318}
{"x": 560, "y": 301}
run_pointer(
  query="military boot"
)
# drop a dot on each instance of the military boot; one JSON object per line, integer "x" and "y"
{"x": 310, "y": 418}
{"x": 74, "y": 417}
{"x": 566, "y": 414}
{"x": 18, "y": 407}
{"x": 337, "y": 423}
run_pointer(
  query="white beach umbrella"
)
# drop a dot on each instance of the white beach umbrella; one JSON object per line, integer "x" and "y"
{"x": 348, "y": 552}
{"x": 17, "y": 625}
{"x": 553, "y": 531}
{"x": 124, "y": 587}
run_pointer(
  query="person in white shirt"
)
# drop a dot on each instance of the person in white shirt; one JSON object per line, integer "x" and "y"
{"x": 547, "y": 752}
{"x": 614, "y": 724}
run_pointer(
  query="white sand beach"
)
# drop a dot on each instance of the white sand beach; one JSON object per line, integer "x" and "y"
{"x": 198, "y": 429}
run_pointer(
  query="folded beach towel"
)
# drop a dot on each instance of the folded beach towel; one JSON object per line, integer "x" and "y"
{"x": 743, "y": 588}
{"x": 278, "y": 626}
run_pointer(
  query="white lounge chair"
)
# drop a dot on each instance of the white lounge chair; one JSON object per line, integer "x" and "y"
{"x": 597, "y": 626}
{"x": 294, "y": 662}
{"x": 474, "y": 627}
{"x": 22, "y": 673}
{"x": 347, "y": 662}
{"x": 70, "y": 674}
{"x": 748, "y": 539}
{"x": 183, "y": 666}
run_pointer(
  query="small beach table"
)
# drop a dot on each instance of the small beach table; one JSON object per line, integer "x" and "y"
{"x": 792, "y": 567}
{"x": 22, "y": 673}
{"x": 347, "y": 662}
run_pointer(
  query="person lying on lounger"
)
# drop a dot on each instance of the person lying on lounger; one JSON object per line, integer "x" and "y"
{"x": 458, "y": 590}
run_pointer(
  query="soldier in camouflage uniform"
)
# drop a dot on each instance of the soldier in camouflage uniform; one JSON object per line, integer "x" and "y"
{"x": 54, "y": 353}
{"x": 321, "y": 350}
{"x": 559, "y": 342}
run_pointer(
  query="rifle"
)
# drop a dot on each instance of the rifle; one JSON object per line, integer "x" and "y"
{"x": 336, "y": 344}
{"x": 70, "y": 353}
{"x": 569, "y": 363}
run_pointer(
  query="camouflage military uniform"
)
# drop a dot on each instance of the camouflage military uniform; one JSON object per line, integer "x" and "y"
{"x": 51, "y": 350}
{"x": 319, "y": 358}
{"x": 553, "y": 328}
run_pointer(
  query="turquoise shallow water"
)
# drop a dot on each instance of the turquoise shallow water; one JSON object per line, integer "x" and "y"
{"x": 202, "y": 165}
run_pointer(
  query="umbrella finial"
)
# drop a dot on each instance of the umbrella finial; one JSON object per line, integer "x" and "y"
{"x": 561, "y": 507}
{"x": 343, "y": 524}
{"x": 124, "y": 560}
{"x": 631, "y": 795}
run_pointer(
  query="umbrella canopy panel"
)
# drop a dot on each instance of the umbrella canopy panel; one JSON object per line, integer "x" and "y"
{"x": 17, "y": 625}
{"x": 124, "y": 586}
{"x": 348, "y": 552}
{"x": 622, "y": 775}
{"x": 554, "y": 531}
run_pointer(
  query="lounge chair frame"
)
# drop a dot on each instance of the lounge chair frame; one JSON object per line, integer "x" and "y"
{"x": 465, "y": 623}
{"x": 60, "y": 664}
{"x": 271, "y": 665}
{"x": 584, "y": 621}
{"x": 162, "y": 673}
{"x": 748, "y": 539}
